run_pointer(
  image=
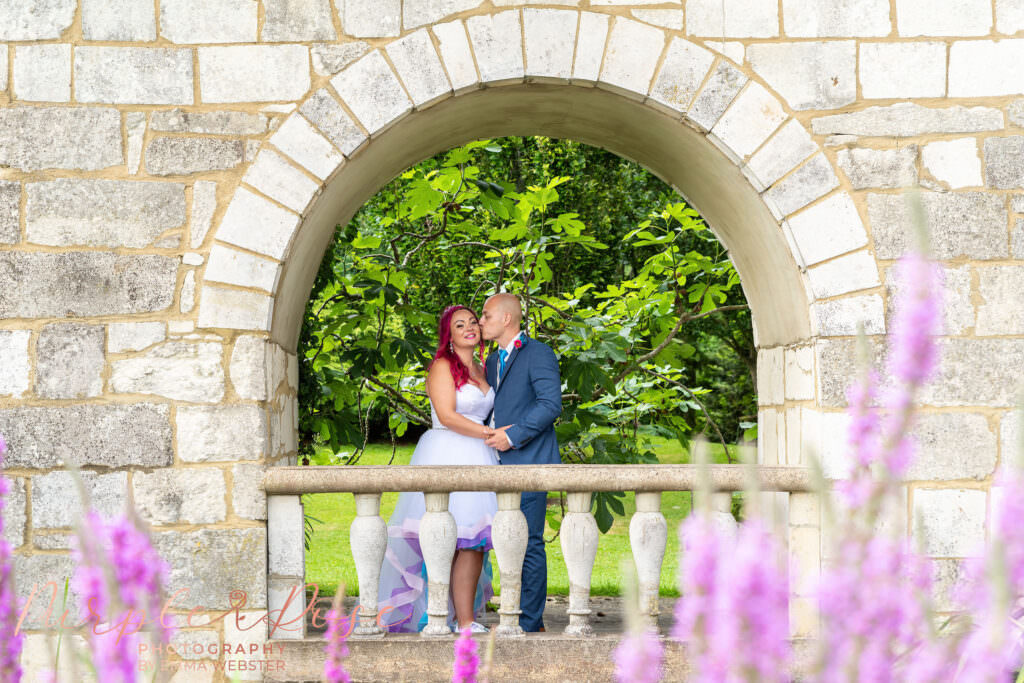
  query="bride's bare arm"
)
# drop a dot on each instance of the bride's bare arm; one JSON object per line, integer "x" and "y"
{"x": 441, "y": 389}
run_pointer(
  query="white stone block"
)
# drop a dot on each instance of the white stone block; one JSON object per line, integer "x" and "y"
{"x": 419, "y": 67}
{"x": 249, "y": 631}
{"x": 770, "y": 377}
{"x": 249, "y": 368}
{"x": 1009, "y": 16}
{"x": 749, "y": 120}
{"x": 848, "y": 273}
{"x": 590, "y": 41}
{"x": 943, "y": 17}
{"x": 204, "y": 204}
{"x": 787, "y": 148}
{"x": 130, "y": 75}
{"x": 177, "y": 370}
{"x": 497, "y": 43}
{"x": 257, "y": 225}
{"x": 1001, "y": 290}
{"x": 21, "y": 20}
{"x": 799, "y": 374}
{"x": 221, "y": 434}
{"x": 684, "y": 69}
{"x": 239, "y": 268}
{"x": 666, "y": 18}
{"x": 180, "y": 328}
{"x": 303, "y": 143}
{"x": 253, "y": 73}
{"x": 631, "y": 57}
{"x": 416, "y": 13}
{"x": 297, "y": 21}
{"x": 125, "y": 337}
{"x": 836, "y": 19}
{"x": 330, "y": 58}
{"x": 809, "y": 75}
{"x": 14, "y": 362}
{"x": 985, "y": 68}
{"x": 234, "y": 309}
{"x": 191, "y": 496}
{"x": 247, "y": 498}
{"x": 801, "y": 187}
{"x": 371, "y": 18}
{"x": 889, "y": 168}
{"x": 732, "y": 18}
{"x": 327, "y": 114}
{"x": 42, "y": 73}
{"x": 957, "y": 305}
{"x": 845, "y": 317}
{"x": 939, "y": 447}
{"x": 284, "y": 535}
{"x": 949, "y": 522}
{"x": 209, "y": 21}
{"x": 453, "y": 42}
{"x": 825, "y": 438}
{"x": 187, "y": 298}
{"x": 279, "y": 180}
{"x": 794, "y": 430}
{"x": 906, "y": 119}
{"x": 954, "y": 162}
{"x": 135, "y": 130}
{"x": 550, "y": 37}
{"x": 768, "y": 437}
{"x": 827, "y": 229}
{"x": 902, "y": 70}
{"x": 119, "y": 20}
{"x": 372, "y": 92}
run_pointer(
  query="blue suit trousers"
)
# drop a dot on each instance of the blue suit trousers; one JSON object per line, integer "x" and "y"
{"x": 535, "y": 563}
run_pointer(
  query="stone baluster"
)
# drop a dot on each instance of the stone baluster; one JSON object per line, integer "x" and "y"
{"x": 510, "y": 534}
{"x": 648, "y": 533}
{"x": 438, "y": 534}
{"x": 286, "y": 566}
{"x": 579, "y": 547}
{"x": 368, "y": 538}
{"x": 805, "y": 561}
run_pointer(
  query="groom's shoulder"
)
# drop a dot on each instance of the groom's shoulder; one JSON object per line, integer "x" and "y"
{"x": 540, "y": 347}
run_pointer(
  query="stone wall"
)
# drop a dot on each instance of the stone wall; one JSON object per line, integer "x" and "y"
{"x": 170, "y": 172}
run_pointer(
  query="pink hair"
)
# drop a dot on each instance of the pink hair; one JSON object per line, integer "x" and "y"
{"x": 460, "y": 373}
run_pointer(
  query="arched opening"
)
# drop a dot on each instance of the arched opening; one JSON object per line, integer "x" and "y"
{"x": 682, "y": 156}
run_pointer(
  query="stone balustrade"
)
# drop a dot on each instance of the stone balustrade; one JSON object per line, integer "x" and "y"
{"x": 648, "y": 531}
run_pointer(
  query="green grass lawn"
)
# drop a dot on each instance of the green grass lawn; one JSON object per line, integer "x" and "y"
{"x": 329, "y": 558}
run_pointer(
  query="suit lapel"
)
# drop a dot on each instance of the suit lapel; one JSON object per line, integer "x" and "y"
{"x": 508, "y": 366}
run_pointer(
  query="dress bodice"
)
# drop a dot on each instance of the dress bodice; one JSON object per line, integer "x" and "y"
{"x": 470, "y": 402}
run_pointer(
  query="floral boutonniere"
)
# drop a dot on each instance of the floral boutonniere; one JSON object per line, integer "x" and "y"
{"x": 518, "y": 344}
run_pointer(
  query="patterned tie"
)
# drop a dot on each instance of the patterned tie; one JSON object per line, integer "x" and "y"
{"x": 502, "y": 357}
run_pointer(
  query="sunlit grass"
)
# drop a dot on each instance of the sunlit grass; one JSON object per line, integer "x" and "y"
{"x": 329, "y": 559}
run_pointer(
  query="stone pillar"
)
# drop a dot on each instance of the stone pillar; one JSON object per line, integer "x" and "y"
{"x": 437, "y": 541}
{"x": 509, "y": 533}
{"x": 579, "y": 547}
{"x": 805, "y": 560}
{"x": 648, "y": 534}
{"x": 286, "y": 594}
{"x": 368, "y": 539}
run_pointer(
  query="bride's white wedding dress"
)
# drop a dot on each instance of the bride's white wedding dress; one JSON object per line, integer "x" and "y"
{"x": 403, "y": 579}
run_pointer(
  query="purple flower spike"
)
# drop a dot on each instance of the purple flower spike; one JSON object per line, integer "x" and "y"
{"x": 638, "y": 658}
{"x": 466, "y": 660}
{"x": 334, "y": 671}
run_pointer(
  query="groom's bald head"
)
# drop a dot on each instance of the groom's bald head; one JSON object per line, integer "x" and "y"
{"x": 508, "y": 303}
{"x": 501, "y": 317}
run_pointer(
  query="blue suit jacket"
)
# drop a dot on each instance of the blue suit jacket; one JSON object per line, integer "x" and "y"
{"x": 529, "y": 397}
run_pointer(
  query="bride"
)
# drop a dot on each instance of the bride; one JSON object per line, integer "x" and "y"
{"x": 460, "y": 401}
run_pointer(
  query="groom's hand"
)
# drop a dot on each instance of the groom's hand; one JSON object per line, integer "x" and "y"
{"x": 499, "y": 440}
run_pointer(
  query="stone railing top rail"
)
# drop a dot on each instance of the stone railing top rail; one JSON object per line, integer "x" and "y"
{"x": 501, "y": 478}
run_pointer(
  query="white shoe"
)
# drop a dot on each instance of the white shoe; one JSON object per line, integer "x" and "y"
{"x": 475, "y": 627}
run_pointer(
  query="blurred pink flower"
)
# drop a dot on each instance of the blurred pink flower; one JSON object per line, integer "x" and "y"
{"x": 10, "y": 643}
{"x": 337, "y": 650}
{"x": 466, "y": 661}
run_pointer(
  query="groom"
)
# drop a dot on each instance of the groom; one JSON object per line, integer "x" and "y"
{"x": 528, "y": 399}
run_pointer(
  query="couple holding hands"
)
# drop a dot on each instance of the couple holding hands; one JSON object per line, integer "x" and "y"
{"x": 500, "y": 411}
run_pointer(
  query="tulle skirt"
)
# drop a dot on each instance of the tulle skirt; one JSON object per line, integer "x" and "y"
{"x": 403, "y": 579}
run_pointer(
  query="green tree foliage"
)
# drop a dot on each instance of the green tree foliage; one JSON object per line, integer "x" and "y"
{"x": 622, "y": 280}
